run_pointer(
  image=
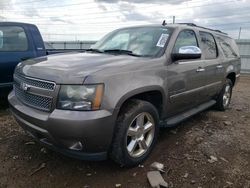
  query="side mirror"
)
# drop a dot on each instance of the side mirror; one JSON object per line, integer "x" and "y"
{"x": 187, "y": 52}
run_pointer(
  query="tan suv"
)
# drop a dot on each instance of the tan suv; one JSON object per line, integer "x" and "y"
{"x": 111, "y": 100}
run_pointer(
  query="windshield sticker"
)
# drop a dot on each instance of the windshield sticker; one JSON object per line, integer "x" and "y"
{"x": 162, "y": 40}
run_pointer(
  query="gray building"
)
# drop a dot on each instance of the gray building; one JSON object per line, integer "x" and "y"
{"x": 244, "y": 47}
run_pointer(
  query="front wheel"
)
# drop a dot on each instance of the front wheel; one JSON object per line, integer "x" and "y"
{"x": 225, "y": 96}
{"x": 136, "y": 133}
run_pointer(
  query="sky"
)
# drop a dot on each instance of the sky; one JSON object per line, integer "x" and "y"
{"x": 66, "y": 20}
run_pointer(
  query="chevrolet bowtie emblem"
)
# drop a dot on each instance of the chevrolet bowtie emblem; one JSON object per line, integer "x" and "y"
{"x": 24, "y": 86}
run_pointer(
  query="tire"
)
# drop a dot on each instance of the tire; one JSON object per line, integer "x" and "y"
{"x": 130, "y": 148}
{"x": 225, "y": 96}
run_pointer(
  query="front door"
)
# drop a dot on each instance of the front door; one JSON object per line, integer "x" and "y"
{"x": 212, "y": 64}
{"x": 185, "y": 78}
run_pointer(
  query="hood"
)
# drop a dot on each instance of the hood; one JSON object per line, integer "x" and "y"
{"x": 71, "y": 68}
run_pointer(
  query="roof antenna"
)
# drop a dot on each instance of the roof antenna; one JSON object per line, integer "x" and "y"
{"x": 164, "y": 23}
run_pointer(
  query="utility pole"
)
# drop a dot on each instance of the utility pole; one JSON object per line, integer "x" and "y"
{"x": 173, "y": 19}
{"x": 239, "y": 33}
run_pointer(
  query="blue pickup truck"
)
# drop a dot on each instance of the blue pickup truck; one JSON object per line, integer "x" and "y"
{"x": 18, "y": 42}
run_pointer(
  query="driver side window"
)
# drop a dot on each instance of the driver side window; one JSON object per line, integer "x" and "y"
{"x": 185, "y": 38}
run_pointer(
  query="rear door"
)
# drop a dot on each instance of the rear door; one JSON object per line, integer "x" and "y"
{"x": 231, "y": 54}
{"x": 15, "y": 46}
{"x": 186, "y": 78}
{"x": 213, "y": 64}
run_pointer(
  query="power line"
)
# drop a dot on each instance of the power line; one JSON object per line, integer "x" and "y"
{"x": 68, "y": 5}
{"x": 27, "y": 2}
{"x": 35, "y": 1}
{"x": 58, "y": 6}
{"x": 96, "y": 18}
{"x": 96, "y": 23}
{"x": 88, "y": 24}
{"x": 102, "y": 22}
{"x": 101, "y": 16}
{"x": 242, "y": 11}
{"x": 126, "y": 23}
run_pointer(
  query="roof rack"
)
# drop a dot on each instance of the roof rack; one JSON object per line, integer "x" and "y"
{"x": 189, "y": 24}
{"x": 194, "y": 25}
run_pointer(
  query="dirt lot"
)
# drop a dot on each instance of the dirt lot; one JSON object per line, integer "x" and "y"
{"x": 185, "y": 150}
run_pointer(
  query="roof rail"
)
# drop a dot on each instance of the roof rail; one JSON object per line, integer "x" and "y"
{"x": 189, "y": 24}
{"x": 194, "y": 25}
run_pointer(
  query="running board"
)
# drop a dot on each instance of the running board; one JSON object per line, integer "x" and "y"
{"x": 170, "y": 122}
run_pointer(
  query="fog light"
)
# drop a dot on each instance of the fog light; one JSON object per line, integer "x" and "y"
{"x": 76, "y": 146}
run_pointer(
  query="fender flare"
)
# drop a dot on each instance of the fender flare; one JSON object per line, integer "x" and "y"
{"x": 140, "y": 91}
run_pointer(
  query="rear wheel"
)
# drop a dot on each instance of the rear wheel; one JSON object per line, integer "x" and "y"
{"x": 136, "y": 133}
{"x": 225, "y": 96}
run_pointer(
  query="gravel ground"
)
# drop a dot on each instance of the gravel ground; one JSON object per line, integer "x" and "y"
{"x": 212, "y": 149}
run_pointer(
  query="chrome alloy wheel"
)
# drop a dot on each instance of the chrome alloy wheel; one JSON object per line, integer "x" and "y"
{"x": 227, "y": 95}
{"x": 140, "y": 134}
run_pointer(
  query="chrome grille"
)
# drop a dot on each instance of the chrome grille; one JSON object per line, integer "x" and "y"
{"x": 35, "y": 82}
{"x": 35, "y": 101}
{"x": 32, "y": 96}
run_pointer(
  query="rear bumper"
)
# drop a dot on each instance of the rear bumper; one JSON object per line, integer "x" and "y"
{"x": 65, "y": 131}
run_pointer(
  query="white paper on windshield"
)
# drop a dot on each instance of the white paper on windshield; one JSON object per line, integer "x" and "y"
{"x": 162, "y": 40}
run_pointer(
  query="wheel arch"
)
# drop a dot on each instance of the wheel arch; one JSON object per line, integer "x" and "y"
{"x": 153, "y": 94}
{"x": 232, "y": 77}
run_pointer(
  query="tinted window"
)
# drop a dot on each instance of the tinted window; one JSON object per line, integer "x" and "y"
{"x": 13, "y": 38}
{"x": 208, "y": 45}
{"x": 226, "y": 48}
{"x": 185, "y": 38}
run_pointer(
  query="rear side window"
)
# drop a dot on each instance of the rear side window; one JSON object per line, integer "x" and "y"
{"x": 227, "y": 48}
{"x": 208, "y": 45}
{"x": 185, "y": 38}
{"x": 13, "y": 38}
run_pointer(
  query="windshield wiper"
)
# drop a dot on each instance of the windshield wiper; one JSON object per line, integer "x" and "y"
{"x": 94, "y": 50}
{"x": 119, "y": 51}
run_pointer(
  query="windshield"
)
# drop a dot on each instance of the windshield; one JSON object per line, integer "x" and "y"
{"x": 140, "y": 41}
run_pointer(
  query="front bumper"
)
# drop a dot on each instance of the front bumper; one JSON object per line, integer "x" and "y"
{"x": 62, "y": 130}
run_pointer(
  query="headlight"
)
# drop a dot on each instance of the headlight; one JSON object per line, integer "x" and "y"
{"x": 80, "y": 97}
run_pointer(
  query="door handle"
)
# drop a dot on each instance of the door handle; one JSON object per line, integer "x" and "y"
{"x": 219, "y": 66}
{"x": 200, "y": 69}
